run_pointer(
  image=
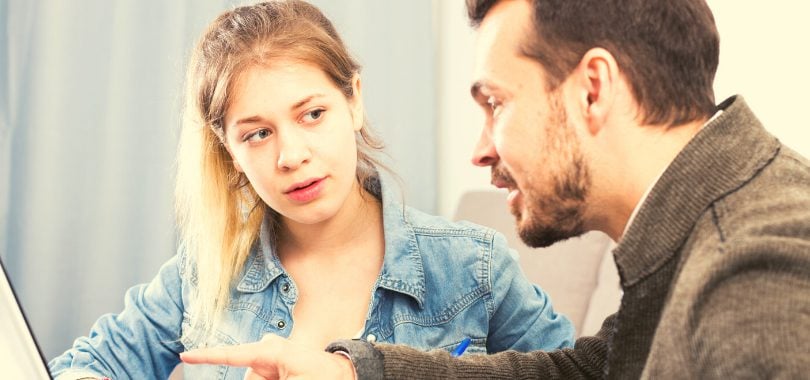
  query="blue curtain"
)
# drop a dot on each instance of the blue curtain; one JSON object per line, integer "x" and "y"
{"x": 5, "y": 127}
{"x": 90, "y": 100}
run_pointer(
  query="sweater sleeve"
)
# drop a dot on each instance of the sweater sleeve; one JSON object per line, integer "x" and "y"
{"x": 586, "y": 360}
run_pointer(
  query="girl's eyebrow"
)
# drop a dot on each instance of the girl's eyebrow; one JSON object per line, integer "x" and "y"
{"x": 298, "y": 104}
{"x": 305, "y": 100}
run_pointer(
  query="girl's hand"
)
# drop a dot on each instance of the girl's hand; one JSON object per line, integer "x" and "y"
{"x": 275, "y": 358}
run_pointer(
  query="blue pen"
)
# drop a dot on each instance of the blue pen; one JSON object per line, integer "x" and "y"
{"x": 461, "y": 348}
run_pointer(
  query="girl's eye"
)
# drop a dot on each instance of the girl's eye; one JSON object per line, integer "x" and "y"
{"x": 313, "y": 115}
{"x": 258, "y": 135}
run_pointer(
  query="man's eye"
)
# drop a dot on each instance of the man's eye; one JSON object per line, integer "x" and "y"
{"x": 494, "y": 105}
{"x": 313, "y": 115}
{"x": 258, "y": 135}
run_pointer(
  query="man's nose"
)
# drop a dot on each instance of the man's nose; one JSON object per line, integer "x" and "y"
{"x": 294, "y": 150}
{"x": 484, "y": 153}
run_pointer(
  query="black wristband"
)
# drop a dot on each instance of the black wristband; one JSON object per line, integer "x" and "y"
{"x": 368, "y": 362}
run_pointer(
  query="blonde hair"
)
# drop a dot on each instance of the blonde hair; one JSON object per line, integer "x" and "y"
{"x": 218, "y": 211}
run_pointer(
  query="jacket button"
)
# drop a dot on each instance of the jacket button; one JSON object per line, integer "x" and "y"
{"x": 281, "y": 324}
{"x": 286, "y": 287}
{"x": 371, "y": 338}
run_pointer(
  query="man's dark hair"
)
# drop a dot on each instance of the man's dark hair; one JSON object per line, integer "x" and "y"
{"x": 668, "y": 49}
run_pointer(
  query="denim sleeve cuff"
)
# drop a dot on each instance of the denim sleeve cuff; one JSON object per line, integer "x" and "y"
{"x": 367, "y": 360}
{"x": 78, "y": 375}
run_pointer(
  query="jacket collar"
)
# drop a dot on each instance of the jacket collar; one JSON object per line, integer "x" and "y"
{"x": 263, "y": 265}
{"x": 402, "y": 269}
{"x": 725, "y": 154}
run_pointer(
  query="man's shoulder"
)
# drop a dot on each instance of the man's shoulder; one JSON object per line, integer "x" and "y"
{"x": 774, "y": 201}
{"x": 763, "y": 221}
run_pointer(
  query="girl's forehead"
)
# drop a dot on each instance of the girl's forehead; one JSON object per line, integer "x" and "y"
{"x": 279, "y": 89}
{"x": 281, "y": 73}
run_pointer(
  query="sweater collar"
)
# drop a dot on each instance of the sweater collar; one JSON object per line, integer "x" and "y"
{"x": 726, "y": 153}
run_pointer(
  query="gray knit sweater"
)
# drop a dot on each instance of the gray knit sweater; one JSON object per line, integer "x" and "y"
{"x": 715, "y": 271}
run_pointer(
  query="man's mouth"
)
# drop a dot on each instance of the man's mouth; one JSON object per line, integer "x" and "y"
{"x": 502, "y": 180}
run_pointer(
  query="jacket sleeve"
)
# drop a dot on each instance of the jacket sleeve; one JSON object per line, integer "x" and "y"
{"x": 140, "y": 342}
{"x": 587, "y": 360}
{"x": 522, "y": 317}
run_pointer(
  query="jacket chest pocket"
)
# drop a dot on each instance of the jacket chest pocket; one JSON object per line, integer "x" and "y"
{"x": 441, "y": 323}
{"x": 193, "y": 337}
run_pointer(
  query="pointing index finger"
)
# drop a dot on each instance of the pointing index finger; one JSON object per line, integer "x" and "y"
{"x": 243, "y": 355}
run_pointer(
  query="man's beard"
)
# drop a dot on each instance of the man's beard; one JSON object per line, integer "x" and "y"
{"x": 555, "y": 212}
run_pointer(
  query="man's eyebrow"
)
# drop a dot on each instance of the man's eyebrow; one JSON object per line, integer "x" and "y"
{"x": 476, "y": 92}
{"x": 480, "y": 89}
{"x": 475, "y": 89}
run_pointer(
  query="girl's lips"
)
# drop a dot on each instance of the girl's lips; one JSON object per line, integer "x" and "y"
{"x": 306, "y": 193}
{"x": 300, "y": 185}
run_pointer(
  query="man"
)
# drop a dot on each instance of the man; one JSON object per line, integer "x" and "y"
{"x": 601, "y": 116}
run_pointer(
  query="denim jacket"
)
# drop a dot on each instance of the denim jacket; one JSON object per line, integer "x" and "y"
{"x": 440, "y": 283}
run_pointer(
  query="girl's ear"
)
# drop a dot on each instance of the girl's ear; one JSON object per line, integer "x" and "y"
{"x": 233, "y": 159}
{"x": 356, "y": 103}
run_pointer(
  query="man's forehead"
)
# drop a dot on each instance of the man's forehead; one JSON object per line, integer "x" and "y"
{"x": 499, "y": 39}
{"x": 507, "y": 19}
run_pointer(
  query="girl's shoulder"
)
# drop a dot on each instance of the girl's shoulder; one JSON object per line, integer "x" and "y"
{"x": 424, "y": 223}
{"x": 458, "y": 238}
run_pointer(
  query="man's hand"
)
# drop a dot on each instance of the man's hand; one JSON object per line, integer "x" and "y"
{"x": 275, "y": 358}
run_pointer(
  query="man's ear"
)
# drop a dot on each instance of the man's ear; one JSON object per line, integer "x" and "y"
{"x": 356, "y": 103}
{"x": 597, "y": 78}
